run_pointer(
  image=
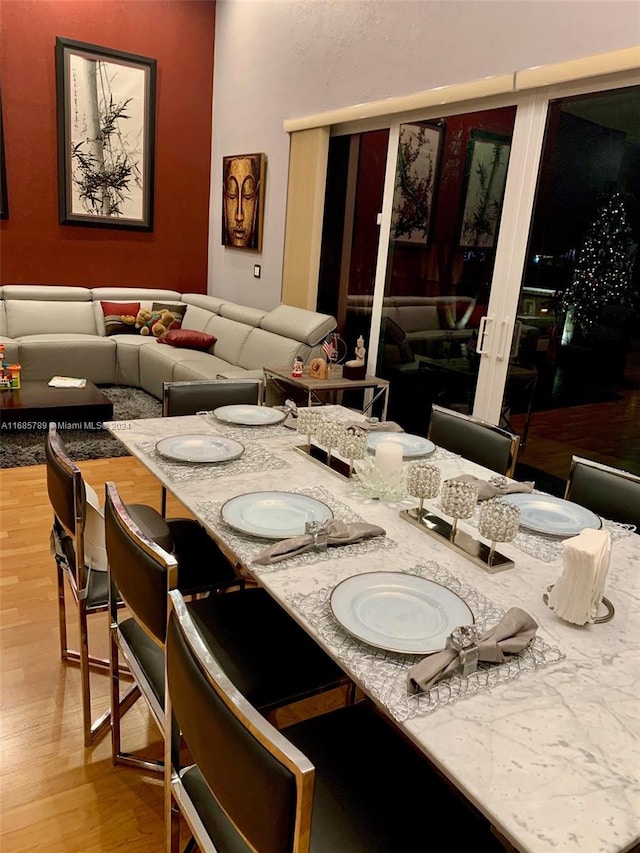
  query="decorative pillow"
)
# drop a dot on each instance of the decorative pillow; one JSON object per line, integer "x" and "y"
{"x": 120, "y": 317}
{"x": 176, "y": 309}
{"x": 188, "y": 338}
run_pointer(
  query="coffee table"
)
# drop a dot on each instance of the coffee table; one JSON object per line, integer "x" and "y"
{"x": 33, "y": 406}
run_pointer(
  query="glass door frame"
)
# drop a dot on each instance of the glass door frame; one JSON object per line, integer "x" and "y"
{"x": 517, "y": 212}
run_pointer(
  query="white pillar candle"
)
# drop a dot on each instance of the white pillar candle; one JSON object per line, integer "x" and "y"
{"x": 388, "y": 457}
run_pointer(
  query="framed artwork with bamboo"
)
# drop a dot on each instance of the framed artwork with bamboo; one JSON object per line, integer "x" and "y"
{"x": 106, "y": 136}
{"x": 483, "y": 189}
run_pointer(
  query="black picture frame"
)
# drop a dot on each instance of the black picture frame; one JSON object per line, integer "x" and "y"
{"x": 106, "y": 107}
{"x": 416, "y": 186}
{"x": 484, "y": 184}
{"x": 4, "y": 203}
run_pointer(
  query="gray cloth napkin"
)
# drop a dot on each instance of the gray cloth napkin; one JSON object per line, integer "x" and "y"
{"x": 510, "y": 636}
{"x": 488, "y": 490}
{"x": 338, "y": 533}
{"x": 379, "y": 426}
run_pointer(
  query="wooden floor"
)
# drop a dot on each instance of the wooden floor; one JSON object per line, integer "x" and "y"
{"x": 54, "y": 793}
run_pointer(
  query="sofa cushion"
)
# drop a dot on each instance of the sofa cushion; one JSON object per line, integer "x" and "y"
{"x": 309, "y": 327}
{"x": 230, "y": 337}
{"x": 196, "y": 318}
{"x": 264, "y": 349}
{"x": 201, "y": 300}
{"x": 418, "y": 318}
{"x": 188, "y": 338}
{"x": 49, "y": 317}
{"x": 50, "y": 292}
{"x": 89, "y": 356}
{"x": 134, "y": 294}
{"x": 241, "y": 313}
{"x": 114, "y": 314}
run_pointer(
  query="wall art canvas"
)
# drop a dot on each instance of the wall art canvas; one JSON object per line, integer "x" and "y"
{"x": 106, "y": 136}
{"x": 416, "y": 181}
{"x": 485, "y": 180}
{"x": 243, "y": 191}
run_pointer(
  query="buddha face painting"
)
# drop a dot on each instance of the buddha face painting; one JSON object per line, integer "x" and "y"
{"x": 243, "y": 179}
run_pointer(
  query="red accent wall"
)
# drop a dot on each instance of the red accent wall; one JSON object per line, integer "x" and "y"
{"x": 35, "y": 248}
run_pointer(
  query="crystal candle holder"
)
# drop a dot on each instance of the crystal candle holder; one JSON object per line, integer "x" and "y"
{"x": 353, "y": 445}
{"x": 459, "y": 501}
{"x": 328, "y": 435}
{"x": 308, "y": 422}
{"x": 423, "y": 481}
{"x": 499, "y": 522}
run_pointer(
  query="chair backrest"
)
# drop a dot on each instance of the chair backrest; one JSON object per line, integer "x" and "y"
{"x": 477, "y": 440}
{"x": 139, "y": 568}
{"x": 259, "y": 779}
{"x": 187, "y": 398}
{"x": 67, "y": 496}
{"x": 609, "y": 492}
{"x": 65, "y": 485}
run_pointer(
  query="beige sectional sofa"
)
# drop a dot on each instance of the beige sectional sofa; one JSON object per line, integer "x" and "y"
{"x": 61, "y": 330}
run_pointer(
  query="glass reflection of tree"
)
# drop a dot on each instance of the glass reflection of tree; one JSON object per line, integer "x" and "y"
{"x": 414, "y": 187}
{"x": 481, "y": 223}
{"x": 104, "y": 164}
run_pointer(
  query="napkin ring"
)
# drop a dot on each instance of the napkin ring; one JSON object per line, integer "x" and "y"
{"x": 464, "y": 640}
{"x": 318, "y": 529}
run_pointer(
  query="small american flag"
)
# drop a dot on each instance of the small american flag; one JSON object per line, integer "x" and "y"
{"x": 329, "y": 347}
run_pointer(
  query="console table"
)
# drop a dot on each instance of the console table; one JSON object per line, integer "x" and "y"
{"x": 335, "y": 386}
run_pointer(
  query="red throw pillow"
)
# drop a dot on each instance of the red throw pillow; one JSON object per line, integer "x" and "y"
{"x": 114, "y": 312}
{"x": 188, "y": 338}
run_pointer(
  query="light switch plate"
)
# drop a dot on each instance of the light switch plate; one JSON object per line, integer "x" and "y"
{"x": 256, "y": 270}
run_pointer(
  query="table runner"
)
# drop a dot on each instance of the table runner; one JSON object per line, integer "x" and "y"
{"x": 384, "y": 674}
{"x": 248, "y": 548}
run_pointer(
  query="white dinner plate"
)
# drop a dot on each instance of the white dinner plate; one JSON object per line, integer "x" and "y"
{"x": 412, "y": 445}
{"x": 273, "y": 515}
{"x": 553, "y": 516}
{"x": 247, "y": 415}
{"x": 399, "y": 612}
{"x": 199, "y": 448}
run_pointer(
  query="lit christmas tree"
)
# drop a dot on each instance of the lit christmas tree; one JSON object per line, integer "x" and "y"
{"x": 604, "y": 270}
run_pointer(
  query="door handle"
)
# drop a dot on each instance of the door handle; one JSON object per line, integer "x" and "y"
{"x": 482, "y": 334}
{"x": 504, "y": 327}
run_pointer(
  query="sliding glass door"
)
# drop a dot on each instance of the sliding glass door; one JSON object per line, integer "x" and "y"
{"x": 477, "y": 218}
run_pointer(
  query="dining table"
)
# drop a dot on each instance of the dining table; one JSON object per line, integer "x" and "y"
{"x": 546, "y": 745}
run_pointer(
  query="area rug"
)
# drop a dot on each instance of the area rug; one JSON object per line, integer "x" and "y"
{"x": 27, "y": 448}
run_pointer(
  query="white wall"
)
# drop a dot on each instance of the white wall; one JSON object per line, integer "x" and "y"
{"x": 278, "y": 59}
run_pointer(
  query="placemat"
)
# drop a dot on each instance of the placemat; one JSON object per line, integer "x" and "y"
{"x": 248, "y": 547}
{"x": 384, "y": 674}
{"x": 255, "y": 458}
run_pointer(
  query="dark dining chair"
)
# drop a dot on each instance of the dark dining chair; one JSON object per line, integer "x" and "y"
{"x": 189, "y": 397}
{"x": 610, "y": 492}
{"x": 346, "y": 780}
{"x": 477, "y": 440}
{"x": 77, "y": 543}
{"x": 204, "y": 395}
{"x": 270, "y": 655}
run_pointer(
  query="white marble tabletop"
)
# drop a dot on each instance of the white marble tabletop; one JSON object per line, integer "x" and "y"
{"x": 552, "y": 757}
